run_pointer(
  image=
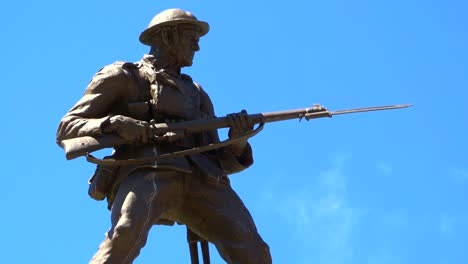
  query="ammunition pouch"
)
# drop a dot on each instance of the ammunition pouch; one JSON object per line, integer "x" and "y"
{"x": 100, "y": 184}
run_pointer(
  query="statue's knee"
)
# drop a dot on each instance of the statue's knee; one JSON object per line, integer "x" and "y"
{"x": 259, "y": 252}
{"x": 128, "y": 231}
{"x": 247, "y": 252}
{"x": 264, "y": 253}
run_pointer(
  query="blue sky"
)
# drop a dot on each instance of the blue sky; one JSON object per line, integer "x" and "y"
{"x": 377, "y": 188}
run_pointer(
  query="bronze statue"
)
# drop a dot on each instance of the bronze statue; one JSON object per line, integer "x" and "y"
{"x": 168, "y": 163}
{"x": 123, "y": 99}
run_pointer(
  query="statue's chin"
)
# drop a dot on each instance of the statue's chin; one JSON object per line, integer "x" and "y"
{"x": 187, "y": 64}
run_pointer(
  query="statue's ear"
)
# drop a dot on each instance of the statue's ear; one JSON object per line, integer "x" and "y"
{"x": 169, "y": 35}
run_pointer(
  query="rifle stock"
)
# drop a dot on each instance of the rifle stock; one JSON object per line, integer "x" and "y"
{"x": 80, "y": 146}
{"x": 77, "y": 147}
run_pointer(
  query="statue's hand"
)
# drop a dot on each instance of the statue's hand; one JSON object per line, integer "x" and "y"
{"x": 239, "y": 123}
{"x": 132, "y": 130}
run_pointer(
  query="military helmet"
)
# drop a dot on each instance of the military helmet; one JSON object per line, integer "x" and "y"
{"x": 171, "y": 17}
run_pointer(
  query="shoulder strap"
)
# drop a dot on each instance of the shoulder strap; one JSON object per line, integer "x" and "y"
{"x": 134, "y": 71}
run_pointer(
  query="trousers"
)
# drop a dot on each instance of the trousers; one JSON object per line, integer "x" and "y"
{"x": 207, "y": 206}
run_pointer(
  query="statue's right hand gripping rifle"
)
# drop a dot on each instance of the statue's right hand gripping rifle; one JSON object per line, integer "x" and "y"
{"x": 82, "y": 146}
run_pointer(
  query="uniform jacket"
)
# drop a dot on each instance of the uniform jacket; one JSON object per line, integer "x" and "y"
{"x": 141, "y": 91}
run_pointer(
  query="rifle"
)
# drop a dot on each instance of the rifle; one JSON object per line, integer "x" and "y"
{"x": 82, "y": 146}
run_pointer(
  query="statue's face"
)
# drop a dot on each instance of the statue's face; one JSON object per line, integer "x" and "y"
{"x": 188, "y": 45}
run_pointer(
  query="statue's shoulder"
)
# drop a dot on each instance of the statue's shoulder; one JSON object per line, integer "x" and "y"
{"x": 205, "y": 100}
{"x": 115, "y": 76}
{"x": 142, "y": 70}
{"x": 189, "y": 79}
{"x": 117, "y": 69}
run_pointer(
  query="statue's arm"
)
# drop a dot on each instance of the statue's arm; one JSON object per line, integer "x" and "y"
{"x": 92, "y": 112}
{"x": 232, "y": 159}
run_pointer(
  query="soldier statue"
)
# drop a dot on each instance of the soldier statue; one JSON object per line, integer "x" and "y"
{"x": 124, "y": 99}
